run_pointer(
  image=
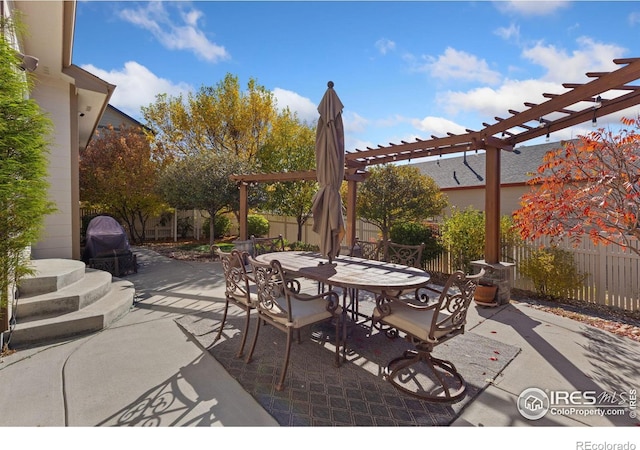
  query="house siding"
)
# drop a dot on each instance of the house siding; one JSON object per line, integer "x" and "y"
{"x": 57, "y": 238}
{"x": 462, "y": 178}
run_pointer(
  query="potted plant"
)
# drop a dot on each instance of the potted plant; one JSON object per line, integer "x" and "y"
{"x": 485, "y": 294}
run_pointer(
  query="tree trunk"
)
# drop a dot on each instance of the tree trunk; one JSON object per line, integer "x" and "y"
{"x": 212, "y": 228}
{"x": 300, "y": 226}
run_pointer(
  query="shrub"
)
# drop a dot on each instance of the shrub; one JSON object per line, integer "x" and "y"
{"x": 221, "y": 225}
{"x": 553, "y": 272}
{"x": 302, "y": 246}
{"x": 463, "y": 234}
{"x": 184, "y": 226}
{"x": 257, "y": 225}
{"x": 413, "y": 233}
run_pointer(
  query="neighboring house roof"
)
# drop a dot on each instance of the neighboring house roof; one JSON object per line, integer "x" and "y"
{"x": 113, "y": 116}
{"x": 469, "y": 170}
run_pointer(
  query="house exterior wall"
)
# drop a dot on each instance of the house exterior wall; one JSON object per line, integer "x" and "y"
{"x": 113, "y": 116}
{"x": 58, "y": 237}
{"x": 475, "y": 198}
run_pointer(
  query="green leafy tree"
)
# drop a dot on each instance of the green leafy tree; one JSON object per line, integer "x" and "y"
{"x": 219, "y": 119}
{"x": 393, "y": 194}
{"x": 118, "y": 173}
{"x": 289, "y": 147}
{"x": 24, "y": 131}
{"x": 463, "y": 234}
{"x": 202, "y": 182}
{"x": 414, "y": 233}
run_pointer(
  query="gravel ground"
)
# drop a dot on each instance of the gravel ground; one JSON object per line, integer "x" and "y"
{"x": 616, "y": 321}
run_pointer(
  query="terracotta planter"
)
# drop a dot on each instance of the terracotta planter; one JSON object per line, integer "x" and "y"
{"x": 485, "y": 294}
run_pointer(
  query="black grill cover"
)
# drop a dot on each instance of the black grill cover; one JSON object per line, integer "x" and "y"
{"x": 104, "y": 236}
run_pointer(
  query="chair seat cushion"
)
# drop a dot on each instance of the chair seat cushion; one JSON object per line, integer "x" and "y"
{"x": 302, "y": 312}
{"x": 243, "y": 300}
{"x": 412, "y": 321}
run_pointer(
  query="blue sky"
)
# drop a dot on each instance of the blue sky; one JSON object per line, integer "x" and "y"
{"x": 402, "y": 69}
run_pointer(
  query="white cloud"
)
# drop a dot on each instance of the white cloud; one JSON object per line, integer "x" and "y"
{"x": 489, "y": 102}
{"x": 304, "y": 107}
{"x": 351, "y": 144}
{"x": 530, "y": 8}
{"x": 385, "y": 45}
{"x": 509, "y": 33}
{"x": 136, "y": 86}
{"x": 173, "y": 35}
{"x": 459, "y": 65}
{"x": 354, "y": 122}
{"x": 562, "y": 66}
{"x": 634, "y": 18}
{"x": 392, "y": 121}
{"x": 438, "y": 126}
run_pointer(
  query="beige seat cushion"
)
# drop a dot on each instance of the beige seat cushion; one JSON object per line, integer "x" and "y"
{"x": 303, "y": 312}
{"x": 410, "y": 320}
{"x": 241, "y": 298}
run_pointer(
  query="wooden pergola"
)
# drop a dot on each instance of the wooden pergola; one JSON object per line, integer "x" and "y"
{"x": 607, "y": 93}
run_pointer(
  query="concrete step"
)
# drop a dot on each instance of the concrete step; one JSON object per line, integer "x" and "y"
{"x": 51, "y": 275}
{"x": 85, "y": 291}
{"x": 92, "y": 318}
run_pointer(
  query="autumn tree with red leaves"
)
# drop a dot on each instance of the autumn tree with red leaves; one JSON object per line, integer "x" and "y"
{"x": 589, "y": 187}
{"x": 118, "y": 173}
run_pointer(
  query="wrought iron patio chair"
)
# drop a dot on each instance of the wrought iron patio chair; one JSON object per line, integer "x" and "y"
{"x": 271, "y": 245}
{"x": 367, "y": 250}
{"x": 262, "y": 245}
{"x": 237, "y": 291}
{"x": 280, "y": 306}
{"x": 427, "y": 326}
{"x": 407, "y": 255}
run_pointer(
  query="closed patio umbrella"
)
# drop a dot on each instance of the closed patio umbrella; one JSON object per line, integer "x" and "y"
{"x": 327, "y": 204}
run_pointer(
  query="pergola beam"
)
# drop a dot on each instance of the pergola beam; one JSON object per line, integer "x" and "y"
{"x": 565, "y": 103}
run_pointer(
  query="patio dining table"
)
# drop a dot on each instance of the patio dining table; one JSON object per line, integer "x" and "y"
{"x": 350, "y": 273}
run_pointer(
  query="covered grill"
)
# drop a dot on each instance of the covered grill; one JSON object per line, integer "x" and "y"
{"x": 107, "y": 247}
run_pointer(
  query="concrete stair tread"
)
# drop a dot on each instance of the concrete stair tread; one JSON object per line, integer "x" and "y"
{"x": 70, "y": 298}
{"x": 92, "y": 318}
{"x": 51, "y": 275}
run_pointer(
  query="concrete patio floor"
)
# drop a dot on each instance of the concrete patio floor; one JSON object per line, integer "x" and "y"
{"x": 145, "y": 370}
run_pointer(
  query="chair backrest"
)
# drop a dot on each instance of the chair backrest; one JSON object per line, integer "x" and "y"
{"x": 235, "y": 274}
{"x": 366, "y": 249}
{"x": 407, "y": 255}
{"x": 272, "y": 289}
{"x": 267, "y": 244}
{"x": 453, "y": 305}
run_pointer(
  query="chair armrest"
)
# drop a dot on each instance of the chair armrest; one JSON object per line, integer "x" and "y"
{"x": 384, "y": 304}
{"x": 332, "y": 297}
{"x": 422, "y": 294}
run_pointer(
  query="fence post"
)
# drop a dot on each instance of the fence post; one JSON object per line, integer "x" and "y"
{"x": 174, "y": 228}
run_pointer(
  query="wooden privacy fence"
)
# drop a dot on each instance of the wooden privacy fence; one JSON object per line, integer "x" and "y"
{"x": 613, "y": 273}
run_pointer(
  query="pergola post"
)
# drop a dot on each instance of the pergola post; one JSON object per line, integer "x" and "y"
{"x": 244, "y": 211}
{"x": 492, "y": 206}
{"x": 496, "y": 273}
{"x": 352, "y": 189}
